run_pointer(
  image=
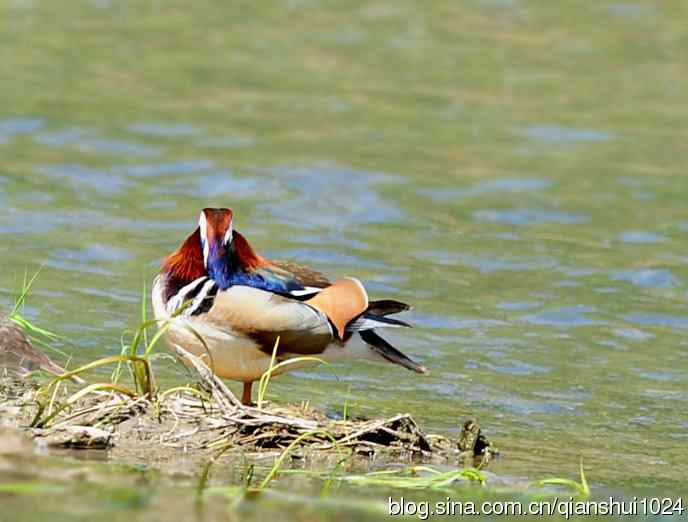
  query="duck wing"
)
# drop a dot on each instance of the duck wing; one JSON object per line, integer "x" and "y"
{"x": 289, "y": 279}
{"x": 264, "y": 316}
{"x": 281, "y": 277}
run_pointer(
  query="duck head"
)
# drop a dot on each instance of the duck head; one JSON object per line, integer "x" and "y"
{"x": 213, "y": 250}
{"x": 216, "y": 230}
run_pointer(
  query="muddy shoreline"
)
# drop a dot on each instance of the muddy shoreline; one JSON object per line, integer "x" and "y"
{"x": 194, "y": 424}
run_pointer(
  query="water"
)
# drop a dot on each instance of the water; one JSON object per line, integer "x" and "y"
{"x": 512, "y": 168}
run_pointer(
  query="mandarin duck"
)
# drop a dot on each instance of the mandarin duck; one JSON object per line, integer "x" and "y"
{"x": 240, "y": 303}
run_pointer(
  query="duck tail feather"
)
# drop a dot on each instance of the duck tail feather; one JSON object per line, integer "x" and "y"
{"x": 389, "y": 352}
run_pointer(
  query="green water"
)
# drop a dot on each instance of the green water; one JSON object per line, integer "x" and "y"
{"x": 512, "y": 168}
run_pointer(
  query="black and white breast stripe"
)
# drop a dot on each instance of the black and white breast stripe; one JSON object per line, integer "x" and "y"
{"x": 199, "y": 294}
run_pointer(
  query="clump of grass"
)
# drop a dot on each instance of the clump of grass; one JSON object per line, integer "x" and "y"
{"x": 580, "y": 489}
{"x": 139, "y": 364}
{"x": 39, "y": 336}
{"x": 134, "y": 355}
{"x": 47, "y": 411}
{"x": 140, "y": 348}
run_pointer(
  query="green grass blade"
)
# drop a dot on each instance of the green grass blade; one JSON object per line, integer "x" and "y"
{"x": 265, "y": 378}
{"x": 280, "y": 460}
{"x": 27, "y": 284}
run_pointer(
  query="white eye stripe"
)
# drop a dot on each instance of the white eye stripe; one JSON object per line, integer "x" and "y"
{"x": 228, "y": 235}
{"x": 206, "y": 253}
{"x": 203, "y": 225}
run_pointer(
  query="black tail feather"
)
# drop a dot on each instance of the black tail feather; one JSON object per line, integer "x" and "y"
{"x": 389, "y": 352}
{"x": 386, "y": 307}
{"x": 367, "y": 321}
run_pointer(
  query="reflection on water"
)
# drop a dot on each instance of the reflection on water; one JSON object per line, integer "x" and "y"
{"x": 506, "y": 167}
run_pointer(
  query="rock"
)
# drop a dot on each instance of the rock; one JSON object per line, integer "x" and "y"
{"x": 79, "y": 437}
{"x": 12, "y": 442}
{"x": 17, "y": 355}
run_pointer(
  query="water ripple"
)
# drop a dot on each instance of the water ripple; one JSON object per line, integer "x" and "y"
{"x": 438, "y": 321}
{"x": 656, "y": 375}
{"x": 516, "y": 368}
{"x": 165, "y": 169}
{"x": 630, "y": 10}
{"x": 640, "y": 236}
{"x": 488, "y": 265}
{"x": 648, "y": 319}
{"x": 486, "y": 187}
{"x": 100, "y": 180}
{"x": 526, "y": 216}
{"x": 227, "y": 142}
{"x": 519, "y": 305}
{"x": 164, "y": 130}
{"x": 332, "y": 197}
{"x": 90, "y": 259}
{"x": 633, "y": 334}
{"x": 219, "y": 185}
{"x": 565, "y": 317}
{"x": 90, "y": 141}
{"x": 13, "y": 127}
{"x": 557, "y": 134}
{"x": 327, "y": 257}
{"x": 647, "y": 278}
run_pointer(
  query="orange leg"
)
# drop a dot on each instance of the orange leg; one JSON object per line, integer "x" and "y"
{"x": 246, "y": 396}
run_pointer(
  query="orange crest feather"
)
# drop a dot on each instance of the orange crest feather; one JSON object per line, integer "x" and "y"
{"x": 186, "y": 263}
